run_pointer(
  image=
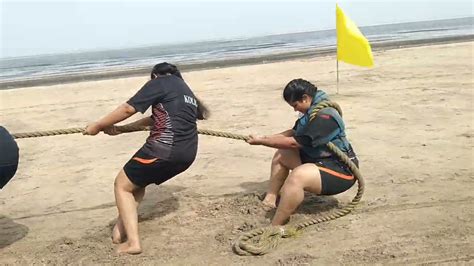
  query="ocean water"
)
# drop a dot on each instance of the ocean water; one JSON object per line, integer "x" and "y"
{"x": 49, "y": 66}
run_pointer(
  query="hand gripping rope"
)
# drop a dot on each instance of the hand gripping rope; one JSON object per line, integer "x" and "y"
{"x": 261, "y": 240}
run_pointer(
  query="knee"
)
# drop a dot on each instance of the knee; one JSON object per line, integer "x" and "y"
{"x": 294, "y": 180}
{"x": 301, "y": 175}
{"x": 277, "y": 157}
{"x": 122, "y": 183}
{"x": 286, "y": 158}
{"x": 118, "y": 183}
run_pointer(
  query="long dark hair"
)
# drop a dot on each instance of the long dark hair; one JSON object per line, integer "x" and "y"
{"x": 296, "y": 88}
{"x": 164, "y": 68}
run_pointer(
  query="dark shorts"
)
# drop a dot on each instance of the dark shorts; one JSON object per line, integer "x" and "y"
{"x": 336, "y": 177}
{"x": 6, "y": 174}
{"x": 143, "y": 170}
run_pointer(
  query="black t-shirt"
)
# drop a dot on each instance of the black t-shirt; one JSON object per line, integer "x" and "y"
{"x": 317, "y": 131}
{"x": 314, "y": 135}
{"x": 8, "y": 149}
{"x": 173, "y": 135}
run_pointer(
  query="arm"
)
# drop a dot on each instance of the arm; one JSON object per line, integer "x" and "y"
{"x": 316, "y": 133}
{"x": 145, "y": 122}
{"x": 121, "y": 113}
{"x": 283, "y": 140}
{"x": 114, "y": 130}
{"x": 275, "y": 141}
{"x": 149, "y": 94}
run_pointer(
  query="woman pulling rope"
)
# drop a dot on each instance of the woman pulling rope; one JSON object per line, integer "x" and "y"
{"x": 168, "y": 151}
{"x": 316, "y": 150}
{"x": 303, "y": 150}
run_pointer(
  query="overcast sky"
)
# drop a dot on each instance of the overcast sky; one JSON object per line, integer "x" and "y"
{"x": 43, "y": 27}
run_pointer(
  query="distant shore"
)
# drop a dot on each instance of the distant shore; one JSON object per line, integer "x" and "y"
{"x": 77, "y": 77}
{"x": 409, "y": 120}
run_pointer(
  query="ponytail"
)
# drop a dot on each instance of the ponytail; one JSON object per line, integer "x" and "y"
{"x": 163, "y": 69}
{"x": 203, "y": 111}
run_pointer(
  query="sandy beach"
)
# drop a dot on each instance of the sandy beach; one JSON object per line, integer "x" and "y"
{"x": 410, "y": 120}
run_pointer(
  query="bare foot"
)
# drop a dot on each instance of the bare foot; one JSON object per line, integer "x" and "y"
{"x": 268, "y": 205}
{"x": 128, "y": 248}
{"x": 118, "y": 233}
{"x": 269, "y": 202}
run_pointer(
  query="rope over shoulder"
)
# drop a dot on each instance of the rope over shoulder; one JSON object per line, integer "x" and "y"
{"x": 261, "y": 240}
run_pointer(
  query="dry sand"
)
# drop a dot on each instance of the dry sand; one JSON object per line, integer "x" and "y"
{"x": 410, "y": 120}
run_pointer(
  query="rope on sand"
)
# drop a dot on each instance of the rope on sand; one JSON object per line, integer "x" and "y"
{"x": 261, "y": 240}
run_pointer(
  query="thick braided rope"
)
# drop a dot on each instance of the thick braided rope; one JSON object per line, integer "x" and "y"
{"x": 269, "y": 236}
{"x": 36, "y": 134}
{"x": 126, "y": 129}
{"x": 123, "y": 129}
{"x": 261, "y": 240}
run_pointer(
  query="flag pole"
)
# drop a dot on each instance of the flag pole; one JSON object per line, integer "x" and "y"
{"x": 337, "y": 79}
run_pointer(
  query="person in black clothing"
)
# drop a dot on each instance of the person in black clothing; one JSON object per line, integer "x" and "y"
{"x": 303, "y": 150}
{"x": 8, "y": 157}
{"x": 169, "y": 150}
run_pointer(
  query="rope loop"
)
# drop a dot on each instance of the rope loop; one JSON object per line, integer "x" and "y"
{"x": 261, "y": 240}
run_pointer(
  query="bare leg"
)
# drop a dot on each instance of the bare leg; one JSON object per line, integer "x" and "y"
{"x": 127, "y": 207}
{"x": 305, "y": 177}
{"x": 283, "y": 161}
{"x": 118, "y": 233}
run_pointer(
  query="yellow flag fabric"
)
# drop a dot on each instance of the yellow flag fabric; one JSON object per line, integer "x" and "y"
{"x": 352, "y": 47}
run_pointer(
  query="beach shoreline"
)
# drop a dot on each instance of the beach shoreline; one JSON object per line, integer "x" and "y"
{"x": 409, "y": 119}
{"x": 135, "y": 72}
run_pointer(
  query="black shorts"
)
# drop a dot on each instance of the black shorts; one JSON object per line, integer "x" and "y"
{"x": 6, "y": 174}
{"x": 143, "y": 170}
{"x": 336, "y": 177}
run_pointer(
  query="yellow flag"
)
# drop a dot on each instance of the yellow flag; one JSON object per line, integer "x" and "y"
{"x": 352, "y": 47}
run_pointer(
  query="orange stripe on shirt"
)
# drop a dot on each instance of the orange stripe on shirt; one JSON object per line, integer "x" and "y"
{"x": 144, "y": 161}
{"x": 334, "y": 173}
